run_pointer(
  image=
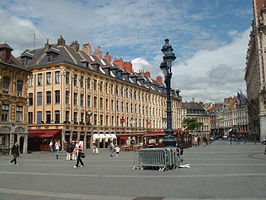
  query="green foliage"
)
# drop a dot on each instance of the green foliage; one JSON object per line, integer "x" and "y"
{"x": 191, "y": 124}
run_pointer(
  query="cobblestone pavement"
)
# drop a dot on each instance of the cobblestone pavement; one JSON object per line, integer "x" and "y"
{"x": 220, "y": 171}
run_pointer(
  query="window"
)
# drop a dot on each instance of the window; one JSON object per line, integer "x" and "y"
{"x": 126, "y": 92}
{"x": 122, "y": 91}
{"x": 57, "y": 77}
{"x": 48, "y": 97}
{"x": 116, "y": 90}
{"x": 122, "y": 106}
{"x": 49, "y": 57}
{"x": 126, "y": 107}
{"x": 81, "y": 81}
{"x": 48, "y": 78}
{"x": 106, "y": 88}
{"x": 75, "y": 99}
{"x": 30, "y": 81}
{"x": 39, "y": 79}
{"x": 24, "y": 61}
{"x": 5, "y": 84}
{"x": 75, "y": 117}
{"x": 112, "y": 89}
{"x": 81, "y": 99}
{"x": 89, "y": 100}
{"x": 117, "y": 106}
{"x": 30, "y": 117}
{"x": 5, "y": 113}
{"x": 39, "y": 117}
{"x": 67, "y": 78}
{"x": 57, "y": 96}
{"x": 67, "y": 97}
{"x": 39, "y": 98}
{"x": 95, "y": 84}
{"x": 48, "y": 117}
{"x": 101, "y": 120}
{"x": 67, "y": 116}
{"x": 89, "y": 83}
{"x": 30, "y": 99}
{"x": 106, "y": 104}
{"x": 95, "y": 102}
{"x": 75, "y": 80}
{"x": 112, "y": 104}
{"x": 57, "y": 116}
{"x": 19, "y": 87}
{"x": 101, "y": 86}
{"x": 95, "y": 119}
{"x": 82, "y": 117}
{"x": 101, "y": 103}
{"x": 107, "y": 120}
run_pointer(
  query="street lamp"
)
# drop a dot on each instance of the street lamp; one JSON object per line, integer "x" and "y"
{"x": 169, "y": 139}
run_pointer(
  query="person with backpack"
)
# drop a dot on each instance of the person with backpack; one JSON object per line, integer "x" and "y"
{"x": 79, "y": 151}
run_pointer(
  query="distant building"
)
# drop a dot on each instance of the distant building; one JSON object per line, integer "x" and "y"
{"x": 231, "y": 114}
{"x": 255, "y": 73}
{"x": 74, "y": 93}
{"x": 196, "y": 110}
{"x": 13, "y": 100}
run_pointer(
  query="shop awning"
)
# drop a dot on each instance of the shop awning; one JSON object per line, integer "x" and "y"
{"x": 46, "y": 133}
{"x": 199, "y": 133}
{"x": 130, "y": 134}
{"x": 155, "y": 133}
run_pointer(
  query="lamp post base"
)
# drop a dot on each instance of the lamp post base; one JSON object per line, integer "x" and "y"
{"x": 169, "y": 140}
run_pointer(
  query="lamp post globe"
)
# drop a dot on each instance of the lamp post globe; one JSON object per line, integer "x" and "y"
{"x": 169, "y": 139}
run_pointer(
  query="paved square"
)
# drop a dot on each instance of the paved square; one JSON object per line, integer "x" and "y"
{"x": 219, "y": 171}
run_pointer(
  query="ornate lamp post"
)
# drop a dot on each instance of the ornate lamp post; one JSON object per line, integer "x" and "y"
{"x": 169, "y": 139}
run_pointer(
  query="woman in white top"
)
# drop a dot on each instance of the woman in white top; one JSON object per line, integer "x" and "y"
{"x": 78, "y": 150}
{"x": 57, "y": 148}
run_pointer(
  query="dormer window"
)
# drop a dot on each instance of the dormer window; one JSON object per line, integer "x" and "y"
{"x": 49, "y": 57}
{"x": 24, "y": 61}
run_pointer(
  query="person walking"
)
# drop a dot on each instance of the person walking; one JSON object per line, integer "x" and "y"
{"x": 117, "y": 150}
{"x": 69, "y": 150}
{"x": 51, "y": 146}
{"x": 111, "y": 148}
{"x": 195, "y": 141}
{"x": 73, "y": 154}
{"x": 15, "y": 153}
{"x": 57, "y": 149}
{"x": 79, "y": 150}
{"x": 95, "y": 149}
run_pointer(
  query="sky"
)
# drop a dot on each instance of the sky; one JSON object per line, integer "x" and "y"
{"x": 209, "y": 37}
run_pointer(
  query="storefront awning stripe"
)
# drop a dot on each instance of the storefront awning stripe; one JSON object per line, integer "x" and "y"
{"x": 44, "y": 133}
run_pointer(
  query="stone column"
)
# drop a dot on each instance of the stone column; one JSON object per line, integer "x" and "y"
{"x": 78, "y": 136}
{"x": 71, "y": 136}
{"x": 85, "y": 140}
{"x": 11, "y": 140}
{"x": 25, "y": 145}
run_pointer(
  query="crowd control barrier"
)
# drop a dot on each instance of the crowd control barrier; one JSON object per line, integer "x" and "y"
{"x": 157, "y": 158}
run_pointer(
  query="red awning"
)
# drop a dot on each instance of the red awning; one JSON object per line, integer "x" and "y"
{"x": 129, "y": 134}
{"x": 44, "y": 133}
{"x": 155, "y": 133}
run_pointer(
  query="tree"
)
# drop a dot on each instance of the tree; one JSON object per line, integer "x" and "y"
{"x": 191, "y": 124}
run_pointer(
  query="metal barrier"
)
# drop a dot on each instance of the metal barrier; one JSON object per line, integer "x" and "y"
{"x": 4, "y": 150}
{"x": 159, "y": 158}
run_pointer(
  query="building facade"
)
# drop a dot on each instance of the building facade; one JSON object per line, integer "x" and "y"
{"x": 13, "y": 100}
{"x": 255, "y": 71}
{"x": 74, "y": 93}
{"x": 196, "y": 110}
{"x": 229, "y": 115}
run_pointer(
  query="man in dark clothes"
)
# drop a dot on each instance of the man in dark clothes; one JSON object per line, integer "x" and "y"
{"x": 15, "y": 153}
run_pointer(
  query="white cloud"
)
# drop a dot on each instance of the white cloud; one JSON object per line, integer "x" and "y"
{"x": 212, "y": 74}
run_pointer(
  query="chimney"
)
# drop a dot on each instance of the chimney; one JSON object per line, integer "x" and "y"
{"x": 47, "y": 46}
{"x": 108, "y": 58}
{"x": 98, "y": 53}
{"x": 127, "y": 66}
{"x": 87, "y": 48}
{"x": 159, "y": 80}
{"x": 147, "y": 74}
{"x": 75, "y": 45}
{"x": 61, "y": 41}
{"x": 119, "y": 63}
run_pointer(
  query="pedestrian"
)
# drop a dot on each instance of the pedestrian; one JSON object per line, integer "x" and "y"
{"x": 111, "y": 148}
{"x": 95, "y": 149}
{"x": 79, "y": 151}
{"x": 51, "y": 146}
{"x": 69, "y": 151}
{"x": 198, "y": 141}
{"x": 15, "y": 153}
{"x": 195, "y": 141}
{"x": 57, "y": 148}
{"x": 117, "y": 150}
{"x": 73, "y": 154}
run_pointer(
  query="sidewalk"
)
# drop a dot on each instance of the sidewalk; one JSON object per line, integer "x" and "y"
{"x": 219, "y": 171}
